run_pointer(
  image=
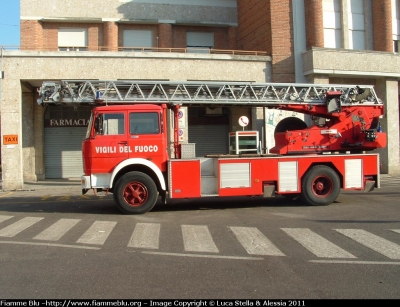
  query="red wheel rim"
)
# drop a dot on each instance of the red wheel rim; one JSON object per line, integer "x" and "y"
{"x": 322, "y": 186}
{"x": 135, "y": 194}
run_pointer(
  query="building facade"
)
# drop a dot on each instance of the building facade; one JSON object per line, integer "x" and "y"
{"x": 303, "y": 41}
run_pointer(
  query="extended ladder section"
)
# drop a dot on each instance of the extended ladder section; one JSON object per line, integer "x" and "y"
{"x": 200, "y": 93}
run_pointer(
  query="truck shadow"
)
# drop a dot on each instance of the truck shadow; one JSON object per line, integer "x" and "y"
{"x": 106, "y": 205}
{"x": 73, "y": 203}
{"x": 223, "y": 203}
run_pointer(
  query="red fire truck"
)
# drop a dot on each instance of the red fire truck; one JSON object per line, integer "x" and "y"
{"x": 127, "y": 148}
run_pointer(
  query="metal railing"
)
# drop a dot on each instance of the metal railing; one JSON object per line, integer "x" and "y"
{"x": 9, "y": 47}
{"x": 141, "y": 49}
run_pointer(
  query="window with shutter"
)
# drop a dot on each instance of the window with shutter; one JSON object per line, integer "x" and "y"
{"x": 72, "y": 39}
{"x": 137, "y": 39}
{"x": 199, "y": 42}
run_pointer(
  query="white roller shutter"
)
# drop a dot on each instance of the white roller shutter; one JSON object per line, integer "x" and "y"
{"x": 138, "y": 38}
{"x": 72, "y": 37}
{"x": 63, "y": 152}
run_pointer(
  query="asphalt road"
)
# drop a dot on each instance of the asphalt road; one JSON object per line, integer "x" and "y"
{"x": 56, "y": 243}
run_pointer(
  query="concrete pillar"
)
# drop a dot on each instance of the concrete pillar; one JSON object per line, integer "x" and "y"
{"x": 344, "y": 7}
{"x": 27, "y": 137}
{"x": 369, "y": 27}
{"x": 38, "y": 135}
{"x": 164, "y": 36}
{"x": 387, "y": 90}
{"x": 11, "y": 155}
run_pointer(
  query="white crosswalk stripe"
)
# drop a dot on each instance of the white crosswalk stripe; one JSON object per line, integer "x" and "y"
{"x": 57, "y": 230}
{"x": 145, "y": 235}
{"x": 316, "y": 244}
{"x": 254, "y": 242}
{"x": 97, "y": 233}
{"x": 19, "y": 226}
{"x": 5, "y": 217}
{"x": 197, "y": 238}
{"x": 374, "y": 242}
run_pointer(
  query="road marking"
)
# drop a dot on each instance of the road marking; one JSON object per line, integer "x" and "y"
{"x": 145, "y": 235}
{"x": 6, "y": 194}
{"x": 17, "y": 227}
{"x": 374, "y": 242}
{"x": 50, "y": 244}
{"x": 5, "y": 217}
{"x": 203, "y": 256}
{"x": 316, "y": 244}
{"x": 197, "y": 238}
{"x": 254, "y": 242}
{"x": 65, "y": 197}
{"x": 396, "y": 230}
{"x": 355, "y": 262}
{"x": 57, "y": 230}
{"x": 97, "y": 233}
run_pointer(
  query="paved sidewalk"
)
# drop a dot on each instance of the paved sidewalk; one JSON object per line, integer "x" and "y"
{"x": 48, "y": 186}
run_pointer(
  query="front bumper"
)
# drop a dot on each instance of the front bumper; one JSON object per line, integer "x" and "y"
{"x": 85, "y": 184}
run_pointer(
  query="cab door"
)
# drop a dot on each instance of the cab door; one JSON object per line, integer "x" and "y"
{"x": 110, "y": 139}
{"x": 146, "y": 136}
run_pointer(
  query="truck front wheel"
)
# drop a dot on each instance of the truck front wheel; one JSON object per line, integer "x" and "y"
{"x": 135, "y": 193}
{"x": 320, "y": 186}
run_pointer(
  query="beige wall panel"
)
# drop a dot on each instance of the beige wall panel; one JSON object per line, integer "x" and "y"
{"x": 137, "y": 68}
{"x": 350, "y": 62}
{"x": 217, "y": 11}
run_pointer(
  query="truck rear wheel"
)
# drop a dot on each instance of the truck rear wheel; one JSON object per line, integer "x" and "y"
{"x": 135, "y": 193}
{"x": 320, "y": 186}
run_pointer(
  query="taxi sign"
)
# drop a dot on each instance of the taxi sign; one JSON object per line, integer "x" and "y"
{"x": 9, "y": 139}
